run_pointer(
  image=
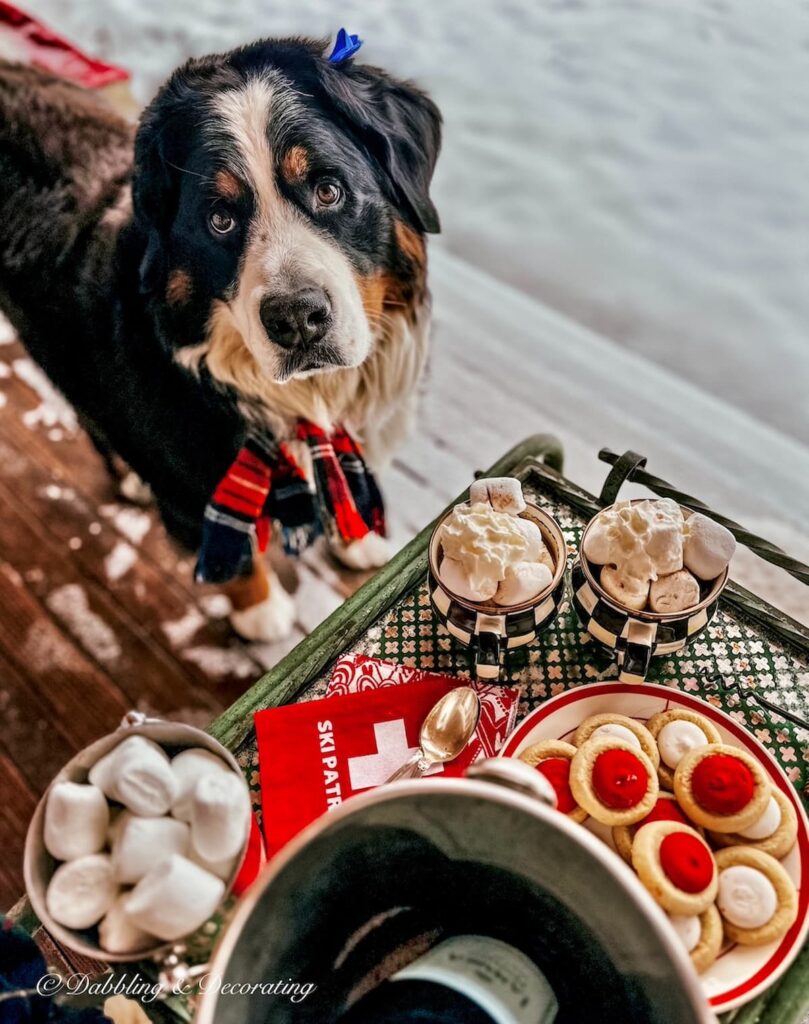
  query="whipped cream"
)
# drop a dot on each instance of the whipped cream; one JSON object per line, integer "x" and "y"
{"x": 487, "y": 543}
{"x": 643, "y": 540}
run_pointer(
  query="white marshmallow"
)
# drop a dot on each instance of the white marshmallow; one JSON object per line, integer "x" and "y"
{"x": 137, "y": 774}
{"x": 533, "y": 539}
{"x": 140, "y": 842}
{"x": 503, "y": 493}
{"x": 76, "y": 820}
{"x": 523, "y": 582}
{"x": 454, "y": 578}
{"x": 117, "y": 933}
{"x": 546, "y": 558}
{"x": 626, "y": 590}
{"x": 188, "y": 768}
{"x": 674, "y": 593}
{"x": 104, "y": 772}
{"x": 174, "y": 898}
{"x": 221, "y": 868}
{"x": 708, "y": 547}
{"x": 220, "y": 816}
{"x": 665, "y": 545}
{"x": 81, "y": 891}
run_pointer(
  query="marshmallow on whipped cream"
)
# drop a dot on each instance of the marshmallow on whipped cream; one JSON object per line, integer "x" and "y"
{"x": 490, "y": 554}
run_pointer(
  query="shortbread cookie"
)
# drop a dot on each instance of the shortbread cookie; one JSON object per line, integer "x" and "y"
{"x": 628, "y": 591}
{"x": 757, "y": 898}
{"x": 701, "y": 934}
{"x": 553, "y": 759}
{"x": 621, "y": 727}
{"x": 666, "y": 808}
{"x": 677, "y": 731}
{"x": 722, "y": 788}
{"x": 774, "y": 832}
{"x": 676, "y": 866}
{"x": 675, "y": 592}
{"x": 613, "y": 780}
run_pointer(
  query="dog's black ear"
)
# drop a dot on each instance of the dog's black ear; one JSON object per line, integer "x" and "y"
{"x": 398, "y": 125}
{"x": 152, "y": 194}
{"x": 160, "y": 143}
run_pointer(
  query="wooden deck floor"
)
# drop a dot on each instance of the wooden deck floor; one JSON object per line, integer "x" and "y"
{"x": 98, "y": 611}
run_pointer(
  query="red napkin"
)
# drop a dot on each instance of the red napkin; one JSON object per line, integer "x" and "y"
{"x": 315, "y": 755}
{"x": 498, "y": 704}
{"x": 254, "y": 860}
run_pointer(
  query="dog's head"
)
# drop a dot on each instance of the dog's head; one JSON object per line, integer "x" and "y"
{"x": 282, "y": 201}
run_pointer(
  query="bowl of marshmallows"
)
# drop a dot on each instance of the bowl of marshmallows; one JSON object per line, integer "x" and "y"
{"x": 137, "y": 840}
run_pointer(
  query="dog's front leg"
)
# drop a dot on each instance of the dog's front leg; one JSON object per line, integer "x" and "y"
{"x": 369, "y": 552}
{"x": 261, "y": 609}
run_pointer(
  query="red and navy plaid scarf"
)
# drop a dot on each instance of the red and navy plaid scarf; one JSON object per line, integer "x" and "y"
{"x": 266, "y": 484}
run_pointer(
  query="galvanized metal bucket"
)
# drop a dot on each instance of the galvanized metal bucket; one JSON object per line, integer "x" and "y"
{"x": 392, "y": 868}
{"x": 39, "y": 865}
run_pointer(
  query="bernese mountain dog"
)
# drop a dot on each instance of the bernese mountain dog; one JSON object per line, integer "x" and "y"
{"x": 253, "y": 254}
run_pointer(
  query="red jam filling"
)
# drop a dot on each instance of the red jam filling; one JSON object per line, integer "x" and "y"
{"x": 722, "y": 784}
{"x": 619, "y": 779}
{"x": 686, "y": 862}
{"x": 664, "y": 810}
{"x": 557, "y": 771}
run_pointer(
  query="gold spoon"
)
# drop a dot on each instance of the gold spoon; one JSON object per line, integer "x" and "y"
{"x": 445, "y": 732}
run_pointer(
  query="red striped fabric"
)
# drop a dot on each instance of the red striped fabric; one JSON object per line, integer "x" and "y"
{"x": 245, "y": 486}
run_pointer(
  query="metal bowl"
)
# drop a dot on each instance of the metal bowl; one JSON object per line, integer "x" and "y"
{"x": 39, "y": 865}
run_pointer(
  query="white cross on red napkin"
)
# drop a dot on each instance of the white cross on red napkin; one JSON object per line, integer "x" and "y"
{"x": 315, "y": 755}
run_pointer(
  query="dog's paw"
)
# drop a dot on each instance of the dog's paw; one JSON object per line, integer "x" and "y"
{"x": 369, "y": 552}
{"x": 135, "y": 490}
{"x": 268, "y": 621}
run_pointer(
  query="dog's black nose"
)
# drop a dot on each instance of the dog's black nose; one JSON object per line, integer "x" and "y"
{"x": 296, "y": 318}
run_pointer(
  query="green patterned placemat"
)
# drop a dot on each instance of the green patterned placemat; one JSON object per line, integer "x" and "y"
{"x": 737, "y": 651}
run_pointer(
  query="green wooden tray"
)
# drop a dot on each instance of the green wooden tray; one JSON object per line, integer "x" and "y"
{"x": 749, "y": 662}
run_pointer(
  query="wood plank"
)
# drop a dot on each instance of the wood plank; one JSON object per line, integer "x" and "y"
{"x": 17, "y": 804}
{"x": 40, "y": 745}
{"x": 70, "y": 687}
{"x": 150, "y": 676}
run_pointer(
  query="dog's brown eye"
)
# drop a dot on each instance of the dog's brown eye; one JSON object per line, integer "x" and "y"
{"x": 222, "y": 223}
{"x": 327, "y": 193}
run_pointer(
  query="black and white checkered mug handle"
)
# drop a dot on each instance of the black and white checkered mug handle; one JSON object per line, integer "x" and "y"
{"x": 634, "y": 660}
{"x": 489, "y": 655}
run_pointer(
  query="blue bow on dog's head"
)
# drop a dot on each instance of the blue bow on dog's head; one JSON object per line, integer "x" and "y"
{"x": 345, "y": 46}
